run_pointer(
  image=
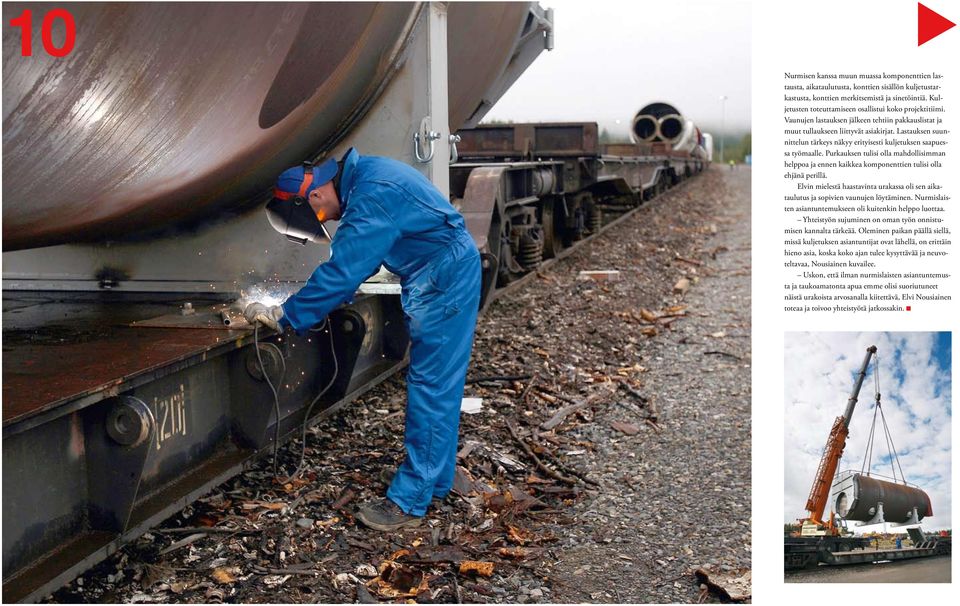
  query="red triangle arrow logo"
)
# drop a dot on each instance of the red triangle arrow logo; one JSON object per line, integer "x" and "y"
{"x": 930, "y": 24}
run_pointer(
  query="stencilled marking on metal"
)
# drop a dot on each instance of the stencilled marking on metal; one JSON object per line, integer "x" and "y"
{"x": 171, "y": 415}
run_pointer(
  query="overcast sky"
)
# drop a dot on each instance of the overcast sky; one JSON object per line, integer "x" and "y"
{"x": 611, "y": 58}
{"x": 819, "y": 370}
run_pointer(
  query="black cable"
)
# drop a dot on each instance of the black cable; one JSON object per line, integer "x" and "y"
{"x": 276, "y": 394}
{"x": 868, "y": 455}
{"x": 306, "y": 418}
{"x": 276, "y": 399}
{"x": 877, "y": 406}
{"x": 887, "y": 435}
{"x": 893, "y": 450}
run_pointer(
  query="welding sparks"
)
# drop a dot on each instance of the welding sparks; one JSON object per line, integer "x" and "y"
{"x": 267, "y": 293}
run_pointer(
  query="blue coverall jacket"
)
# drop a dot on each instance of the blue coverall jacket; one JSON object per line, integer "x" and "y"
{"x": 393, "y": 215}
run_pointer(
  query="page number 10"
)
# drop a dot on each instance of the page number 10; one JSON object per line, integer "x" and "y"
{"x": 25, "y": 23}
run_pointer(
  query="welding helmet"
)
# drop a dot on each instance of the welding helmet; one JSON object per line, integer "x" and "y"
{"x": 289, "y": 212}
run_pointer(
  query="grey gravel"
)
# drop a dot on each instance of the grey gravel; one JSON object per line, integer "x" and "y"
{"x": 678, "y": 499}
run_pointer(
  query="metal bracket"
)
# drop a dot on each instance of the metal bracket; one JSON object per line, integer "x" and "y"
{"x": 424, "y": 137}
{"x": 454, "y": 155}
{"x": 913, "y": 520}
{"x": 252, "y": 404}
{"x": 117, "y": 439}
{"x": 130, "y": 422}
{"x": 877, "y": 518}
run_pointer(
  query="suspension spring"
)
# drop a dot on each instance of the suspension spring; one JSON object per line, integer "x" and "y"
{"x": 531, "y": 250}
{"x": 595, "y": 220}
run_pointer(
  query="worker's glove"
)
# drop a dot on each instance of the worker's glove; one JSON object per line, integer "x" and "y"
{"x": 268, "y": 316}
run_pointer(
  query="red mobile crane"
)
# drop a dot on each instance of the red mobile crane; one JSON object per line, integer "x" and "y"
{"x": 814, "y": 524}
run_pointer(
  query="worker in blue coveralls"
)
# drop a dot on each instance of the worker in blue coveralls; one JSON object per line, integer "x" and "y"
{"x": 390, "y": 214}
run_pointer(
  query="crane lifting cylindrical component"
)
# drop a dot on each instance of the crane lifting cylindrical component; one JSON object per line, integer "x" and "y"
{"x": 861, "y": 498}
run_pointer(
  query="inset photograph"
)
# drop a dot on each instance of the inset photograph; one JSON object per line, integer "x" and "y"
{"x": 867, "y": 455}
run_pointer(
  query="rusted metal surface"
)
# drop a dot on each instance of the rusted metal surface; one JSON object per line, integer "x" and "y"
{"x": 216, "y": 390}
{"x": 636, "y": 166}
{"x": 82, "y": 489}
{"x": 525, "y": 140}
{"x": 481, "y": 198}
{"x": 626, "y": 149}
{"x": 166, "y": 112}
{"x": 858, "y": 497}
{"x": 161, "y": 117}
{"x": 88, "y": 547}
{"x": 635, "y": 172}
{"x": 40, "y": 374}
{"x": 51, "y": 569}
{"x": 481, "y": 38}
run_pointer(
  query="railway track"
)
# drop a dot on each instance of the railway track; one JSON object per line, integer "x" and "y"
{"x": 648, "y": 206}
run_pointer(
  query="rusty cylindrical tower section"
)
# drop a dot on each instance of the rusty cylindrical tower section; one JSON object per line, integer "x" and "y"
{"x": 171, "y": 114}
{"x": 859, "y": 498}
{"x": 147, "y": 122}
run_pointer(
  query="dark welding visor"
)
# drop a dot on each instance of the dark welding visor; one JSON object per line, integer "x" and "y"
{"x": 295, "y": 219}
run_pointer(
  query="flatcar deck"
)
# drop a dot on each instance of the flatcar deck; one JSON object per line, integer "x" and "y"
{"x": 70, "y": 362}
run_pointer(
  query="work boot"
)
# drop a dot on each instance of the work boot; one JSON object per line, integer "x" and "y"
{"x": 384, "y": 514}
{"x": 386, "y": 476}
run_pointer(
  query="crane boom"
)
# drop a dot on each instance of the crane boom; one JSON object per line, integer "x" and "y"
{"x": 836, "y": 441}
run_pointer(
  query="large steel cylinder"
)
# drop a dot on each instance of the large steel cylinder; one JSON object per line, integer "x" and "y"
{"x": 670, "y": 128}
{"x": 658, "y": 121}
{"x": 858, "y": 498}
{"x": 481, "y": 38}
{"x": 163, "y": 112}
{"x": 658, "y": 109}
{"x": 689, "y": 139}
{"x": 645, "y": 127}
{"x": 166, "y": 114}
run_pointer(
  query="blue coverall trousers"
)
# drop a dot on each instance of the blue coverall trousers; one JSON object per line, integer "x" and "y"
{"x": 440, "y": 305}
